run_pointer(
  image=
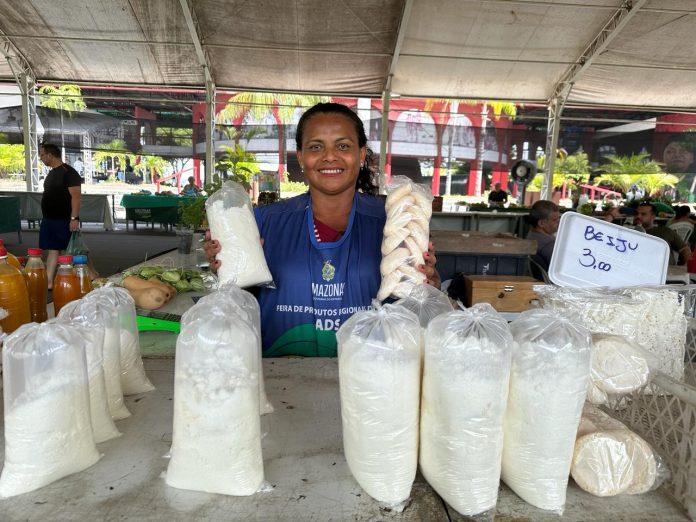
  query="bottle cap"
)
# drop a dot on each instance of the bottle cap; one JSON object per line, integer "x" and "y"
{"x": 34, "y": 251}
{"x": 80, "y": 260}
{"x": 22, "y": 260}
{"x": 3, "y": 252}
{"x": 65, "y": 260}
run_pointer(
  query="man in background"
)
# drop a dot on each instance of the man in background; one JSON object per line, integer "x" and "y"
{"x": 543, "y": 217}
{"x": 60, "y": 206}
{"x": 497, "y": 197}
{"x": 645, "y": 217}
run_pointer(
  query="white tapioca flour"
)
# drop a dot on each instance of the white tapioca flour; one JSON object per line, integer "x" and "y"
{"x": 133, "y": 377}
{"x": 48, "y": 434}
{"x": 216, "y": 442}
{"x": 465, "y": 386}
{"x": 112, "y": 371}
{"x": 548, "y": 384}
{"x": 241, "y": 256}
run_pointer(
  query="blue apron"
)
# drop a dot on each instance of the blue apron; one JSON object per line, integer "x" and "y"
{"x": 318, "y": 285}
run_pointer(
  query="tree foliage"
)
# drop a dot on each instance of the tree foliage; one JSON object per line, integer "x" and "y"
{"x": 11, "y": 159}
{"x": 113, "y": 152}
{"x": 260, "y": 104}
{"x": 63, "y": 97}
{"x": 622, "y": 172}
{"x": 572, "y": 171}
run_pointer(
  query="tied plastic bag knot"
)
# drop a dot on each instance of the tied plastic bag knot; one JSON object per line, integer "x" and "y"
{"x": 427, "y": 302}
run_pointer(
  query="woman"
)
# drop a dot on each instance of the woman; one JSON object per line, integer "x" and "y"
{"x": 323, "y": 247}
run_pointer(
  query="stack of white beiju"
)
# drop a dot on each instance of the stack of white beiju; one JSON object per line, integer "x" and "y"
{"x": 379, "y": 368}
{"x": 216, "y": 442}
{"x": 548, "y": 384}
{"x": 232, "y": 224}
{"x": 48, "y": 433}
{"x": 465, "y": 388}
{"x": 609, "y": 459}
{"x": 406, "y": 236}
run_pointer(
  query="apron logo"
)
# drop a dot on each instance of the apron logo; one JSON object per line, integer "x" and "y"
{"x": 328, "y": 271}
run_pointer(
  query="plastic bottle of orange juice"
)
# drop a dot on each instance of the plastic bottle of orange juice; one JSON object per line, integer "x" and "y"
{"x": 11, "y": 260}
{"x": 14, "y": 297}
{"x": 80, "y": 262}
{"x": 66, "y": 286}
{"x": 37, "y": 284}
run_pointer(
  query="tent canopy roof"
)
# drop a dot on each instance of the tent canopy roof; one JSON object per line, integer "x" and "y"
{"x": 477, "y": 49}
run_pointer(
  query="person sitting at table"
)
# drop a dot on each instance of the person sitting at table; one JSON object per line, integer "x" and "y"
{"x": 543, "y": 217}
{"x": 497, "y": 197}
{"x": 645, "y": 217}
{"x": 323, "y": 247}
{"x": 190, "y": 189}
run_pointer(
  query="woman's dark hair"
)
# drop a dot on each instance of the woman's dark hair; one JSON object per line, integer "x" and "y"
{"x": 364, "y": 182}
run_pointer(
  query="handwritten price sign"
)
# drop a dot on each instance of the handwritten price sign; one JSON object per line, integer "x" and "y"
{"x": 591, "y": 252}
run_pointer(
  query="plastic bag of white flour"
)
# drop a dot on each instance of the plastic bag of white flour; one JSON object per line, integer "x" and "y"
{"x": 133, "y": 377}
{"x": 466, "y": 374}
{"x": 548, "y": 383}
{"x": 379, "y": 368}
{"x": 48, "y": 434}
{"x": 242, "y": 302}
{"x": 406, "y": 236}
{"x": 103, "y": 427}
{"x": 216, "y": 441}
{"x": 610, "y": 459}
{"x": 232, "y": 224}
{"x": 97, "y": 311}
{"x": 427, "y": 302}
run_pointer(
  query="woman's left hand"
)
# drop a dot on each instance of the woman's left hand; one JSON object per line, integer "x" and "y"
{"x": 431, "y": 274}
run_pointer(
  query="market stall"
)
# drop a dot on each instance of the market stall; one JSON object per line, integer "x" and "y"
{"x": 152, "y": 209}
{"x": 94, "y": 208}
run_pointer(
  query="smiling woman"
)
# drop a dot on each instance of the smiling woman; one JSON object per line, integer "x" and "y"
{"x": 323, "y": 247}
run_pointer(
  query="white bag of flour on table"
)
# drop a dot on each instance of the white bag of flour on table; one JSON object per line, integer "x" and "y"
{"x": 216, "y": 441}
{"x": 98, "y": 311}
{"x": 466, "y": 374}
{"x": 242, "y": 302}
{"x": 610, "y": 459}
{"x": 103, "y": 427}
{"x": 48, "y": 434}
{"x": 548, "y": 384}
{"x": 406, "y": 236}
{"x": 379, "y": 368}
{"x": 133, "y": 377}
{"x": 232, "y": 224}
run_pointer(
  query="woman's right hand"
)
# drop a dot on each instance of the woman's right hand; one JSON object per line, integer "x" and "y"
{"x": 211, "y": 247}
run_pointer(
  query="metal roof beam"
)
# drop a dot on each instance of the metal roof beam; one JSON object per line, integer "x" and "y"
{"x": 403, "y": 24}
{"x": 193, "y": 27}
{"x": 561, "y": 90}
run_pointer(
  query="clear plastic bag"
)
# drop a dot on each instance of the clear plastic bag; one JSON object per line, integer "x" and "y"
{"x": 406, "y": 236}
{"x": 548, "y": 384}
{"x": 427, "y": 302}
{"x": 216, "y": 442}
{"x": 619, "y": 366}
{"x": 245, "y": 304}
{"x": 609, "y": 459}
{"x": 232, "y": 223}
{"x": 133, "y": 377}
{"x": 97, "y": 311}
{"x": 379, "y": 363}
{"x": 650, "y": 316}
{"x": 465, "y": 388}
{"x": 48, "y": 434}
{"x": 103, "y": 427}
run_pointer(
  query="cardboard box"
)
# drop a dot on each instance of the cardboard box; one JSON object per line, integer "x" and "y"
{"x": 504, "y": 293}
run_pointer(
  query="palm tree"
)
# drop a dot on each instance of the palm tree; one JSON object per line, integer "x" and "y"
{"x": 111, "y": 152}
{"x": 622, "y": 172}
{"x": 63, "y": 98}
{"x": 259, "y": 104}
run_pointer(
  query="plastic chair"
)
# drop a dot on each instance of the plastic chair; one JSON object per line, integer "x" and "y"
{"x": 684, "y": 229}
{"x": 538, "y": 272}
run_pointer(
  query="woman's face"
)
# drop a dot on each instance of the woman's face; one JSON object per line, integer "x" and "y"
{"x": 331, "y": 156}
{"x": 677, "y": 158}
